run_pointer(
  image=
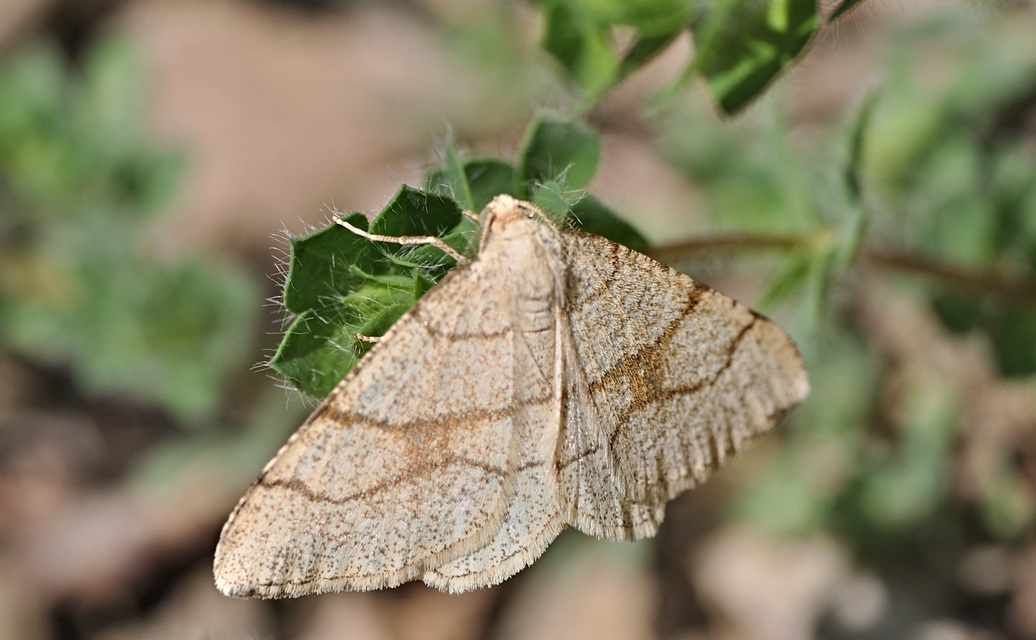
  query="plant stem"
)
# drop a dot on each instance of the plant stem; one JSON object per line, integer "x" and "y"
{"x": 727, "y": 244}
{"x": 981, "y": 282}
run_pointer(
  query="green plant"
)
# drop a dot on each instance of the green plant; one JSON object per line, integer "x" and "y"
{"x": 340, "y": 285}
{"x": 740, "y": 45}
{"x": 83, "y": 282}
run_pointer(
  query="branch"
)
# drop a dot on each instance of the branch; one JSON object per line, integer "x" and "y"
{"x": 727, "y": 244}
{"x": 981, "y": 282}
{"x": 1021, "y": 290}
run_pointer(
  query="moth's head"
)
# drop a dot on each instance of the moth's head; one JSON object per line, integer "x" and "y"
{"x": 504, "y": 211}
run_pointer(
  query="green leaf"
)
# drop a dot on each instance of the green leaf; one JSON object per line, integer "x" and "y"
{"x": 412, "y": 212}
{"x": 489, "y": 178}
{"x": 843, "y": 8}
{"x": 790, "y": 277}
{"x": 958, "y": 312}
{"x": 648, "y": 17}
{"x": 1014, "y": 341}
{"x": 580, "y": 35}
{"x": 459, "y": 179}
{"x": 148, "y": 179}
{"x": 320, "y": 347}
{"x": 552, "y": 199}
{"x": 417, "y": 213}
{"x": 451, "y": 180}
{"x": 824, "y": 269}
{"x": 559, "y": 150}
{"x": 316, "y": 349}
{"x": 558, "y": 154}
{"x": 112, "y": 99}
{"x": 592, "y": 216}
{"x": 644, "y": 50}
{"x": 486, "y": 178}
{"x": 741, "y": 45}
{"x": 341, "y": 284}
{"x": 857, "y": 139}
{"x": 583, "y": 49}
{"x": 329, "y": 264}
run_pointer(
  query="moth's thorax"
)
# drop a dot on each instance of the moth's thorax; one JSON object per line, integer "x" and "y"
{"x": 521, "y": 241}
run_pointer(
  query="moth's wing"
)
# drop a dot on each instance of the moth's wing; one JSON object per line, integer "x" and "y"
{"x": 532, "y": 517}
{"x": 531, "y": 521}
{"x": 406, "y": 465}
{"x": 666, "y": 380}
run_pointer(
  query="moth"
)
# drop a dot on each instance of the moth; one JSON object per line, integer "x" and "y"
{"x": 560, "y": 379}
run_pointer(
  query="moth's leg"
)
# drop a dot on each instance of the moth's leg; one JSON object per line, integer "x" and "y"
{"x": 469, "y": 214}
{"x": 407, "y": 240}
{"x": 402, "y": 240}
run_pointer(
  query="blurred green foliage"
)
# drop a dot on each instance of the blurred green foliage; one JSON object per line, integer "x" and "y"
{"x": 83, "y": 282}
{"x": 962, "y": 177}
{"x": 936, "y": 170}
{"x": 740, "y": 45}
